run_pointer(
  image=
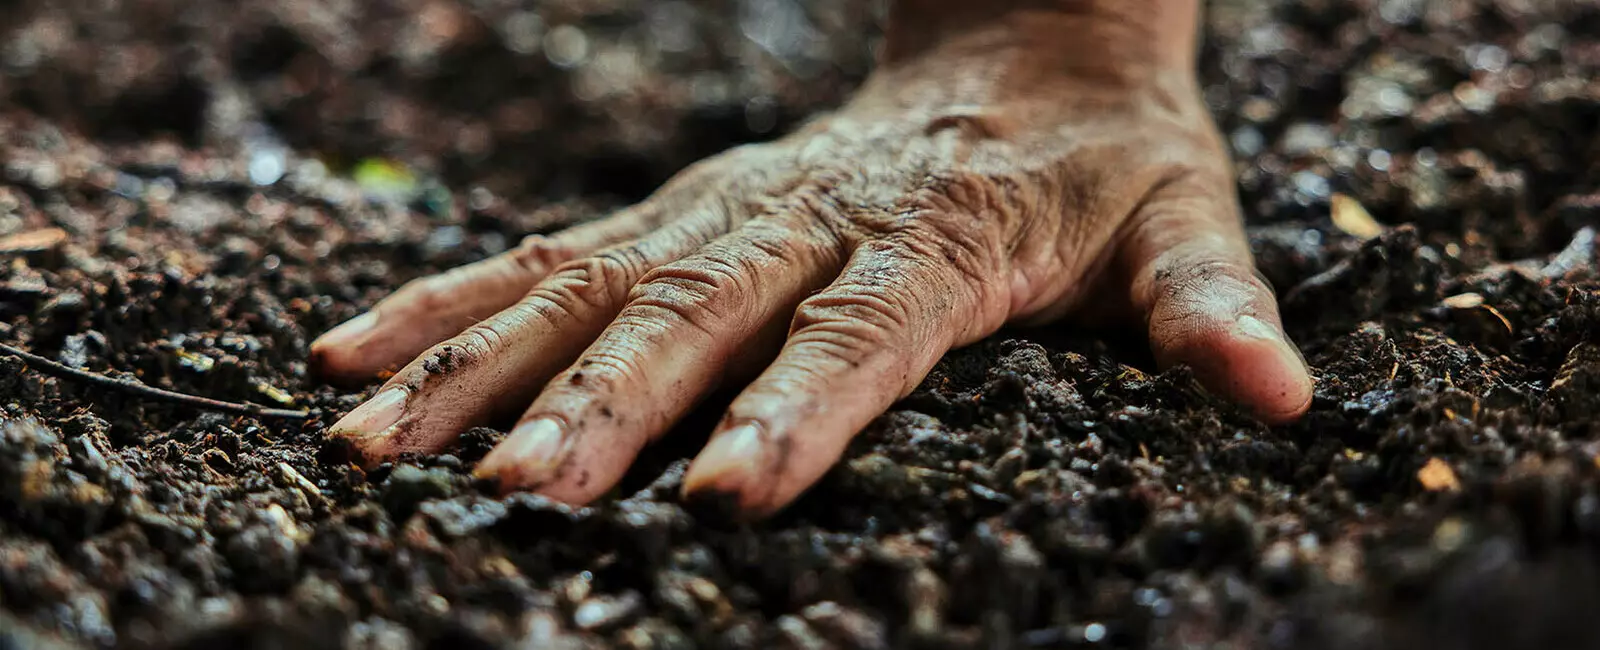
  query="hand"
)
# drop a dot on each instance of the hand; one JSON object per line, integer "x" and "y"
{"x": 973, "y": 181}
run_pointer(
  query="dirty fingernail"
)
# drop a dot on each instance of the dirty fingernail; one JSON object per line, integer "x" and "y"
{"x": 350, "y": 333}
{"x": 373, "y": 417}
{"x": 530, "y": 452}
{"x": 730, "y": 459}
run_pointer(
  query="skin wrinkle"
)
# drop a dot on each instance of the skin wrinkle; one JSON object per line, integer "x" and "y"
{"x": 989, "y": 171}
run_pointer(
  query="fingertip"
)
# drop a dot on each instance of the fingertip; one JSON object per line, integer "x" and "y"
{"x": 332, "y": 365}
{"x": 350, "y": 333}
{"x": 1271, "y": 377}
{"x": 1251, "y": 362}
{"x": 337, "y": 357}
{"x": 729, "y": 469}
{"x": 525, "y": 459}
{"x": 374, "y": 416}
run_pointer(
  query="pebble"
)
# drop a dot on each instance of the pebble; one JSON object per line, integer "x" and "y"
{"x": 463, "y": 516}
{"x": 846, "y": 627}
{"x": 409, "y": 485}
{"x": 654, "y": 634}
{"x": 797, "y": 635}
{"x": 607, "y": 611}
{"x": 379, "y": 634}
{"x": 33, "y": 242}
{"x": 1305, "y": 138}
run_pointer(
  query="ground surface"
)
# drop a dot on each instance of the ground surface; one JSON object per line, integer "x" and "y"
{"x": 1042, "y": 489}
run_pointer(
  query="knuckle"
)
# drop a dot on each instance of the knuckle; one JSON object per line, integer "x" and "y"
{"x": 589, "y": 281}
{"x": 537, "y": 254}
{"x": 480, "y": 341}
{"x": 963, "y": 192}
{"x": 693, "y": 292}
{"x": 490, "y": 336}
{"x": 868, "y": 315}
{"x": 952, "y": 279}
{"x": 969, "y": 124}
{"x": 820, "y": 199}
{"x": 605, "y": 368}
{"x": 960, "y": 218}
{"x": 823, "y": 351}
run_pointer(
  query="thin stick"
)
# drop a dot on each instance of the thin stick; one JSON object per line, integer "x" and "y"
{"x": 63, "y": 371}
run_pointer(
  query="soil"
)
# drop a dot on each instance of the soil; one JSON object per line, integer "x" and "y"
{"x": 231, "y": 179}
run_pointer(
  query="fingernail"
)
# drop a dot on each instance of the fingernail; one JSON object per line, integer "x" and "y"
{"x": 1257, "y": 328}
{"x": 531, "y": 451}
{"x": 375, "y": 416}
{"x": 350, "y": 333}
{"x": 730, "y": 459}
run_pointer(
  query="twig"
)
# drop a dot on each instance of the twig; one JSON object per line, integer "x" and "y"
{"x": 63, "y": 371}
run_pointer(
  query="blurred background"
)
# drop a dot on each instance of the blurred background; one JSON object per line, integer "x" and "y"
{"x": 521, "y": 98}
{"x": 606, "y": 98}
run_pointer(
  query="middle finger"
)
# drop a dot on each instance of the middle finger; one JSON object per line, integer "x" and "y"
{"x": 686, "y": 324}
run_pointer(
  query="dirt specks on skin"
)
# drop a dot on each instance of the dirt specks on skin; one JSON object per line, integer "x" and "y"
{"x": 1045, "y": 488}
{"x": 445, "y": 361}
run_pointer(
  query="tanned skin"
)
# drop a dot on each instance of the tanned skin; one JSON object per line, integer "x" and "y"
{"x": 1009, "y": 161}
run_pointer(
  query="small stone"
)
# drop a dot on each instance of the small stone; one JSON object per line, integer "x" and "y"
{"x": 463, "y": 516}
{"x": 692, "y": 598}
{"x": 797, "y": 635}
{"x": 86, "y": 457}
{"x": 607, "y": 611}
{"x": 846, "y": 627}
{"x": 654, "y": 634}
{"x": 1306, "y": 138}
{"x": 410, "y": 485}
{"x": 925, "y": 595}
{"x": 33, "y": 243}
{"x": 880, "y": 475}
{"x": 1010, "y": 465}
{"x": 379, "y": 634}
{"x": 1573, "y": 389}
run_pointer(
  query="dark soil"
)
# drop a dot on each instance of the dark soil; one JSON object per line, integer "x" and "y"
{"x": 1042, "y": 489}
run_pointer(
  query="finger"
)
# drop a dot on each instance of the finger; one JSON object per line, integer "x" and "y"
{"x": 494, "y": 368}
{"x": 854, "y": 349}
{"x": 1193, "y": 280}
{"x": 681, "y": 330}
{"x": 432, "y": 309}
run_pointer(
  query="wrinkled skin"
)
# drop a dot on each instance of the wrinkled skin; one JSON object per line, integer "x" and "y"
{"x": 1011, "y": 162}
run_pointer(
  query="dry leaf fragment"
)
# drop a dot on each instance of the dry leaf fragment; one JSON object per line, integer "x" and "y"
{"x": 1470, "y": 300}
{"x": 1350, "y": 217}
{"x": 1437, "y": 476}
{"x": 1467, "y": 300}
